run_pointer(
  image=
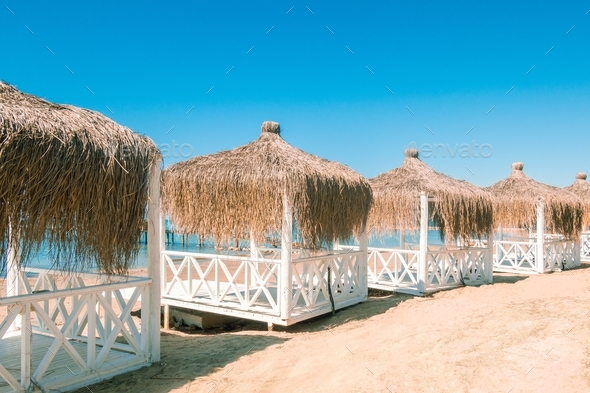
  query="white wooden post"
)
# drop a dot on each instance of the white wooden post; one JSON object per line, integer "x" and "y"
{"x": 26, "y": 339}
{"x": 155, "y": 247}
{"x": 489, "y": 261}
{"x": 577, "y": 252}
{"x": 499, "y": 250}
{"x": 253, "y": 247}
{"x": 422, "y": 264}
{"x": 286, "y": 268}
{"x": 540, "y": 257}
{"x": 402, "y": 239}
{"x": 91, "y": 329}
{"x": 362, "y": 261}
{"x": 253, "y": 254}
{"x": 13, "y": 271}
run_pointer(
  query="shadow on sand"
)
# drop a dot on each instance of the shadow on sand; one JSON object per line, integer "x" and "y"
{"x": 508, "y": 278}
{"x": 187, "y": 357}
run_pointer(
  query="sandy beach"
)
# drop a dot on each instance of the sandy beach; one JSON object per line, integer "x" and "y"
{"x": 521, "y": 334}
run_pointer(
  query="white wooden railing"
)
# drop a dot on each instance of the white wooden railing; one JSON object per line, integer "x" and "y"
{"x": 222, "y": 280}
{"x": 310, "y": 280}
{"x": 585, "y": 246}
{"x": 561, "y": 255}
{"x": 448, "y": 268}
{"x": 521, "y": 255}
{"x": 399, "y": 269}
{"x": 393, "y": 267}
{"x": 514, "y": 255}
{"x": 252, "y": 287}
{"x": 71, "y": 310}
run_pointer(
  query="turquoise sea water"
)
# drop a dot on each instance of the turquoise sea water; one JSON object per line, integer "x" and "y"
{"x": 41, "y": 259}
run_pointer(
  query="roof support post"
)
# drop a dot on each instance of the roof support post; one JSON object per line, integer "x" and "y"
{"x": 489, "y": 260}
{"x": 540, "y": 257}
{"x": 422, "y": 263}
{"x": 253, "y": 247}
{"x": 362, "y": 261}
{"x": 155, "y": 247}
{"x": 402, "y": 239}
{"x": 286, "y": 268}
{"x": 13, "y": 270}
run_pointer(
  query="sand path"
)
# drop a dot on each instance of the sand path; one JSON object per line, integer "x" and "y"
{"x": 525, "y": 333}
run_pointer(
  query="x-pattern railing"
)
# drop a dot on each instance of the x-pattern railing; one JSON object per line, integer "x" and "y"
{"x": 515, "y": 255}
{"x": 560, "y": 254}
{"x": 310, "y": 278}
{"x": 453, "y": 267}
{"x": 586, "y": 245}
{"x": 59, "y": 306}
{"x": 398, "y": 267}
{"x": 221, "y": 280}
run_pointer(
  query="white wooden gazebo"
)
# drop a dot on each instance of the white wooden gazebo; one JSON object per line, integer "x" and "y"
{"x": 249, "y": 193}
{"x": 416, "y": 198}
{"x": 522, "y": 203}
{"x": 76, "y": 183}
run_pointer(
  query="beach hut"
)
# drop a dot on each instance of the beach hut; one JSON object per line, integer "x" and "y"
{"x": 263, "y": 188}
{"x": 552, "y": 216}
{"x": 415, "y": 198}
{"x": 581, "y": 188}
{"x": 73, "y": 185}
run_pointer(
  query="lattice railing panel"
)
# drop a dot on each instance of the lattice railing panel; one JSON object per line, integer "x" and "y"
{"x": 561, "y": 255}
{"x": 310, "y": 279}
{"x": 585, "y": 245}
{"x": 226, "y": 281}
{"x": 398, "y": 267}
{"x": 66, "y": 312}
{"x": 515, "y": 255}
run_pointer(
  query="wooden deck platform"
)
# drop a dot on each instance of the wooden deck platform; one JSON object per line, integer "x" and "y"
{"x": 63, "y": 370}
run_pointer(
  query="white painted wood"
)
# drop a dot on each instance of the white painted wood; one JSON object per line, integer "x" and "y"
{"x": 91, "y": 350}
{"x": 253, "y": 254}
{"x": 363, "y": 258}
{"x": 13, "y": 271}
{"x": 489, "y": 262}
{"x": 286, "y": 248}
{"x": 58, "y": 328}
{"x": 402, "y": 239}
{"x": 26, "y": 340}
{"x": 540, "y": 257}
{"x": 155, "y": 247}
{"x": 253, "y": 246}
{"x": 14, "y": 384}
{"x": 422, "y": 263}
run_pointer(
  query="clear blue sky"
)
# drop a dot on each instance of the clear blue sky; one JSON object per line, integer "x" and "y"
{"x": 151, "y": 62}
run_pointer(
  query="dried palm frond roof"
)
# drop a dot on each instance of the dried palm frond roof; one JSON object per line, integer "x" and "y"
{"x": 72, "y": 183}
{"x": 460, "y": 209}
{"x": 516, "y": 199}
{"x": 230, "y": 193}
{"x": 581, "y": 188}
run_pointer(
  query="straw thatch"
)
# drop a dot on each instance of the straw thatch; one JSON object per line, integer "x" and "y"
{"x": 460, "y": 209}
{"x": 228, "y": 194}
{"x": 72, "y": 182}
{"x": 581, "y": 188}
{"x": 516, "y": 199}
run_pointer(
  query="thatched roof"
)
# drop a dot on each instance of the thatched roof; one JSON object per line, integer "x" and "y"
{"x": 227, "y": 194}
{"x": 581, "y": 188}
{"x": 516, "y": 198}
{"x": 71, "y": 180}
{"x": 460, "y": 208}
